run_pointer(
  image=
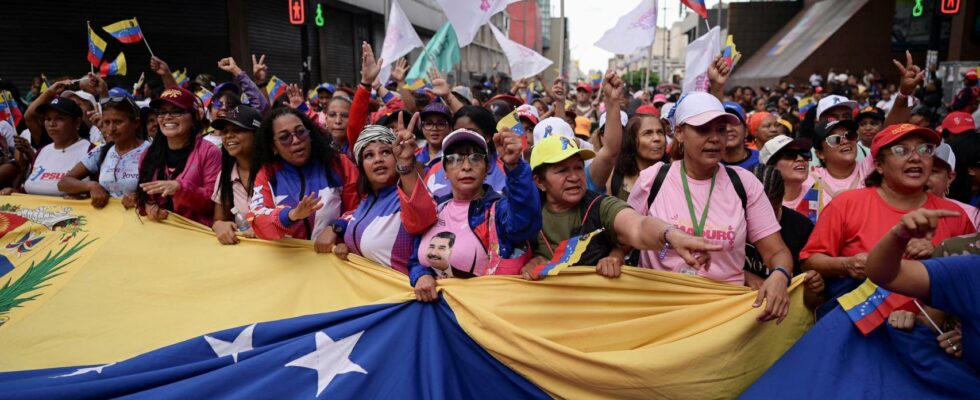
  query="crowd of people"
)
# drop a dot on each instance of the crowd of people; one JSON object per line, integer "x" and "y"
{"x": 740, "y": 185}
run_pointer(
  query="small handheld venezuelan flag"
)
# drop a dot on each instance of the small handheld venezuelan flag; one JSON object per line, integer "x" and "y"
{"x": 205, "y": 96}
{"x": 567, "y": 254}
{"x": 869, "y": 305}
{"x": 96, "y": 48}
{"x": 126, "y": 31}
{"x": 115, "y": 68}
{"x": 181, "y": 77}
{"x": 275, "y": 88}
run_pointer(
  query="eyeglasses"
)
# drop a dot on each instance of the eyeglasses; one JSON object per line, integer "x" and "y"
{"x": 217, "y": 104}
{"x": 836, "y": 140}
{"x": 435, "y": 124}
{"x": 173, "y": 113}
{"x": 452, "y": 160}
{"x": 105, "y": 101}
{"x": 903, "y": 151}
{"x": 287, "y": 139}
{"x": 793, "y": 154}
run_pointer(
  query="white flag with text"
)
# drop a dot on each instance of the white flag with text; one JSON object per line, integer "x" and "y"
{"x": 467, "y": 16}
{"x": 634, "y": 30}
{"x": 524, "y": 62}
{"x": 700, "y": 54}
{"x": 400, "y": 39}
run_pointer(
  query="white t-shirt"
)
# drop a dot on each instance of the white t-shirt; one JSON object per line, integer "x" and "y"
{"x": 118, "y": 174}
{"x": 95, "y": 136}
{"x": 214, "y": 139}
{"x": 8, "y": 132}
{"x": 52, "y": 164}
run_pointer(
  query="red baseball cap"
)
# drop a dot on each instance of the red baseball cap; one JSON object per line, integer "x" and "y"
{"x": 958, "y": 122}
{"x": 584, "y": 87}
{"x": 648, "y": 109}
{"x": 970, "y": 74}
{"x": 180, "y": 97}
{"x": 894, "y": 133}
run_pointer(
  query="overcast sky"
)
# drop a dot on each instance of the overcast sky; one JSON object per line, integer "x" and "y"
{"x": 589, "y": 19}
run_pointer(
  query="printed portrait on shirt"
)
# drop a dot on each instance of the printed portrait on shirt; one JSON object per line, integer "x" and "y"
{"x": 438, "y": 252}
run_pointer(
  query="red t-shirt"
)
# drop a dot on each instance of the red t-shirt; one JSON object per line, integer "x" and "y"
{"x": 857, "y": 220}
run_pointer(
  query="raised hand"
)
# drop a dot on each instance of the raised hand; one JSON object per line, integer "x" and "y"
{"x": 508, "y": 146}
{"x": 557, "y": 91}
{"x": 60, "y": 86}
{"x": 369, "y": 67}
{"x": 613, "y": 88}
{"x": 399, "y": 71}
{"x": 912, "y": 75}
{"x": 229, "y": 65}
{"x": 93, "y": 84}
{"x": 719, "y": 71}
{"x": 159, "y": 66}
{"x": 306, "y": 207}
{"x": 295, "y": 95}
{"x": 259, "y": 70}
{"x": 440, "y": 87}
{"x": 405, "y": 144}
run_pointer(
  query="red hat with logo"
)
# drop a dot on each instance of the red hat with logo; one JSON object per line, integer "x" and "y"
{"x": 958, "y": 122}
{"x": 894, "y": 133}
{"x": 180, "y": 97}
{"x": 970, "y": 74}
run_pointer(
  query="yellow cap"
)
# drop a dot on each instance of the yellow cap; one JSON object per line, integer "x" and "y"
{"x": 555, "y": 149}
{"x": 786, "y": 123}
{"x": 583, "y": 126}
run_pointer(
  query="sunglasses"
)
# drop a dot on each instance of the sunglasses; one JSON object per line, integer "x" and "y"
{"x": 452, "y": 160}
{"x": 287, "y": 139}
{"x": 903, "y": 151}
{"x": 107, "y": 101}
{"x": 836, "y": 140}
{"x": 793, "y": 154}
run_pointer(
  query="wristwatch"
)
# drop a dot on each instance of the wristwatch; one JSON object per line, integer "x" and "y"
{"x": 404, "y": 169}
{"x": 338, "y": 229}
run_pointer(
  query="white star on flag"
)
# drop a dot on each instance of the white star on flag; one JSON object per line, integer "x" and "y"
{"x": 330, "y": 359}
{"x": 241, "y": 344}
{"x": 80, "y": 371}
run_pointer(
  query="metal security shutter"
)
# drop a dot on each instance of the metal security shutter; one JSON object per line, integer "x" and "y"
{"x": 270, "y": 33}
{"x": 339, "y": 46}
{"x": 50, "y": 37}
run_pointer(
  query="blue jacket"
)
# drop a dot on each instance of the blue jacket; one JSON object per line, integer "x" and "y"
{"x": 518, "y": 217}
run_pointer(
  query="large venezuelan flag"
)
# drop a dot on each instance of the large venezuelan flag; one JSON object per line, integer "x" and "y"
{"x": 101, "y": 304}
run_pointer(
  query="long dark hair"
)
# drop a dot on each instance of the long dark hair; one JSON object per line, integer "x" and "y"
{"x": 321, "y": 151}
{"x": 626, "y": 164}
{"x": 156, "y": 156}
{"x": 134, "y": 115}
{"x": 482, "y": 118}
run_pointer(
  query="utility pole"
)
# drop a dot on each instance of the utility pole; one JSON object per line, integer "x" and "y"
{"x": 561, "y": 47}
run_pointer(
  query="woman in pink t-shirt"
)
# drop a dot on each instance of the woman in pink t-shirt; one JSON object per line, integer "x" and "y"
{"x": 700, "y": 196}
{"x": 838, "y": 171}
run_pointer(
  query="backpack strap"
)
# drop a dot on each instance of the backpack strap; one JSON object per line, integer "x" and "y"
{"x": 657, "y": 183}
{"x": 737, "y": 185}
{"x": 616, "y": 183}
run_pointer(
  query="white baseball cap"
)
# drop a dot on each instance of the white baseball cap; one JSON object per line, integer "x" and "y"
{"x": 552, "y": 126}
{"x": 699, "y": 108}
{"x": 464, "y": 135}
{"x": 778, "y": 143}
{"x": 945, "y": 153}
{"x": 622, "y": 117}
{"x": 82, "y": 95}
{"x": 832, "y": 101}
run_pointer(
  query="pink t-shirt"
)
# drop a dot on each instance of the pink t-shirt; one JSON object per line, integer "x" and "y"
{"x": 452, "y": 243}
{"x": 971, "y": 212}
{"x": 828, "y": 186}
{"x": 727, "y": 223}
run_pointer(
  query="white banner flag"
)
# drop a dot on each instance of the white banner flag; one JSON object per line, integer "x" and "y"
{"x": 633, "y": 30}
{"x": 467, "y": 16}
{"x": 400, "y": 38}
{"x": 700, "y": 54}
{"x": 524, "y": 62}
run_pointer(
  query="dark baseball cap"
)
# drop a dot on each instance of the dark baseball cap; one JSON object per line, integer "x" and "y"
{"x": 242, "y": 116}
{"x": 437, "y": 108}
{"x": 393, "y": 116}
{"x": 869, "y": 112}
{"x": 823, "y": 129}
{"x": 62, "y": 105}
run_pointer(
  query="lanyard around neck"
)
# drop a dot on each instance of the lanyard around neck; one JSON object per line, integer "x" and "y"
{"x": 698, "y": 226}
